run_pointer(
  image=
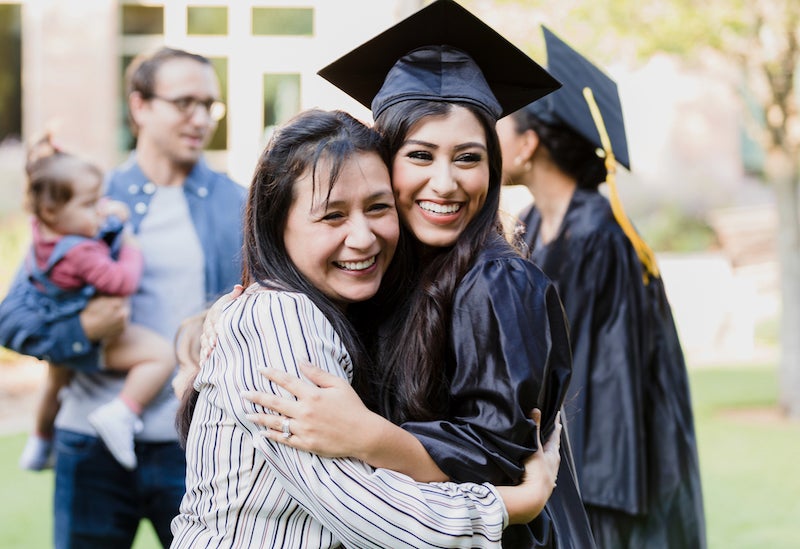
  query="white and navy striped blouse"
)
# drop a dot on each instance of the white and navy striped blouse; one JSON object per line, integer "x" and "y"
{"x": 243, "y": 490}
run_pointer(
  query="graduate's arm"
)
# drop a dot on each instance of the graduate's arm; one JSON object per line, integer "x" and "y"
{"x": 509, "y": 337}
{"x": 362, "y": 506}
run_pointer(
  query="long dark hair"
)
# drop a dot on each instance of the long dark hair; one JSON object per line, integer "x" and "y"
{"x": 296, "y": 149}
{"x": 413, "y": 378}
{"x": 572, "y": 153}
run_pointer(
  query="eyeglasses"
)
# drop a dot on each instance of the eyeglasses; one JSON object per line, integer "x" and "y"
{"x": 187, "y": 106}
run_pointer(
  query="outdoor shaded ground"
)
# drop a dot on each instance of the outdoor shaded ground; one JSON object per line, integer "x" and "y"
{"x": 748, "y": 459}
{"x": 21, "y": 381}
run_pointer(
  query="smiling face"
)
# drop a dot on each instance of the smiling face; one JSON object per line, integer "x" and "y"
{"x": 441, "y": 176}
{"x": 162, "y": 126}
{"x": 344, "y": 246}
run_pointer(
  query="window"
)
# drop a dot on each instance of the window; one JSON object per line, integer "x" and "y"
{"x": 220, "y": 140}
{"x": 207, "y": 20}
{"x": 125, "y": 139}
{"x": 10, "y": 71}
{"x": 283, "y": 21}
{"x": 142, "y": 20}
{"x": 281, "y": 99}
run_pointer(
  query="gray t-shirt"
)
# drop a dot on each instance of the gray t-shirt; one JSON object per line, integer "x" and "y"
{"x": 172, "y": 288}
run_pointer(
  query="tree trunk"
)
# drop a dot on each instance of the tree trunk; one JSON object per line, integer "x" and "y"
{"x": 782, "y": 173}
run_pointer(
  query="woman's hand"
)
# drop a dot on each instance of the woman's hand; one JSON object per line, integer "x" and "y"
{"x": 326, "y": 416}
{"x": 208, "y": 340}
{"x": 525, "y": 501}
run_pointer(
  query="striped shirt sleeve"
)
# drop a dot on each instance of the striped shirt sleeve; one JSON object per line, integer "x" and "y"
{"x": 352, "y": 503}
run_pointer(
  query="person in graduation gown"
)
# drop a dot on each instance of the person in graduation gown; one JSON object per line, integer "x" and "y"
{"x": 628, "y": 406}
{"x": 476, "y": 336}
{"x": 321, "y": 194}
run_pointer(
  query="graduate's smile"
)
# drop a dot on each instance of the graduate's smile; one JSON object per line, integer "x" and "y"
{"x": 440, "y": 213}
{"x": 440, "y": 176}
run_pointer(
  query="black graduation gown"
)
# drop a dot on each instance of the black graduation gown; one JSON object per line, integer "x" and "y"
{"x": 628, "y": 404}
{"x": 509, "y": 352}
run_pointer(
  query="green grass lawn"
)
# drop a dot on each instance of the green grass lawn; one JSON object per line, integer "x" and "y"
{"x": 26, "y": 518}
{"x": 749, "y": 461}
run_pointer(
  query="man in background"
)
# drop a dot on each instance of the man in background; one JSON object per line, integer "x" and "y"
{"x": 187, "y": 219}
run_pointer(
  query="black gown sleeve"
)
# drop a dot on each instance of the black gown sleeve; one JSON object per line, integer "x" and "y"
{"x": 510, "y": 353}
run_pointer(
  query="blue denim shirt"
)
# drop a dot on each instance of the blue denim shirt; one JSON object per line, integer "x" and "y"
{"x": 216, "y": 204}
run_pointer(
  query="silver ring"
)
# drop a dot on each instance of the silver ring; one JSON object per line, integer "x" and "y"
{"x": 285, "y": 428}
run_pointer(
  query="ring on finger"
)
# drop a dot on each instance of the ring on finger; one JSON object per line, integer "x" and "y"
{"x": 287, "y": 432}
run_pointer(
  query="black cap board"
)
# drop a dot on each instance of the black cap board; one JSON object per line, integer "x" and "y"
{"x": 569, "y": 106}
{"x": 442, "y": 52}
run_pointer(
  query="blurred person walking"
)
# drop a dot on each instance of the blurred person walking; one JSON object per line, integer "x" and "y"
{"x": 187, "y": 219}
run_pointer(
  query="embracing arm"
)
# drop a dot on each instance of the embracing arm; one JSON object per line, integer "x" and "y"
{"x": 329, "y": 418}
{"x": 511, "y": 358}
{"x": 362, "y": 506}
{"x": 539, "y": 480}
{"x": 523, "y": 502}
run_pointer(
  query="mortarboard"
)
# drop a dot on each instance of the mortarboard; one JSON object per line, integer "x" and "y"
{"x": 569, "y": 106}
{"x": 589, "y": 103}
{"x": 441, "y": 52}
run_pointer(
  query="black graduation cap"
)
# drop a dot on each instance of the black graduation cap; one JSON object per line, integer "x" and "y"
{"x": 569, "y": 106}
{"x": 441, "y": 52}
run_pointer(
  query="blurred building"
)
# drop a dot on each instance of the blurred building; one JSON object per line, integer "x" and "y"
{"x": 62, "y": 63}
{"x": 69, "y": 57}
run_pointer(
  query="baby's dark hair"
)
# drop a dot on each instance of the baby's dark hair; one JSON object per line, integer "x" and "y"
{"x": 51, "y": 173}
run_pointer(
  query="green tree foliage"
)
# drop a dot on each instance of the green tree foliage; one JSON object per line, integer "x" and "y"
{"x": 760, "y": 42}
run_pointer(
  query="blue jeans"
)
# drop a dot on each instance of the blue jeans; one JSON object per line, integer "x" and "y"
{"x": 99, "y": 504}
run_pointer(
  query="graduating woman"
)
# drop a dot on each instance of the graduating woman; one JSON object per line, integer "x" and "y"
{"x": 628, "y": 406}
{"x": 476, "y": 336}
{"x": 320, "y": 231}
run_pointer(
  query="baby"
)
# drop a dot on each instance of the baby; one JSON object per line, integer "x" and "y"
{"x": 72, "y": 259}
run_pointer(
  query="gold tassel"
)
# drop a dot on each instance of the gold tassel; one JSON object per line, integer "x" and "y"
{"x": 646, "y": 255}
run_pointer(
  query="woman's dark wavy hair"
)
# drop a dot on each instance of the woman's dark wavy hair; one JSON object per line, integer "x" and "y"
{"x": 318, "y": 143}
{"x": 572, "y": 153}
{"x": 413, "y": 379}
